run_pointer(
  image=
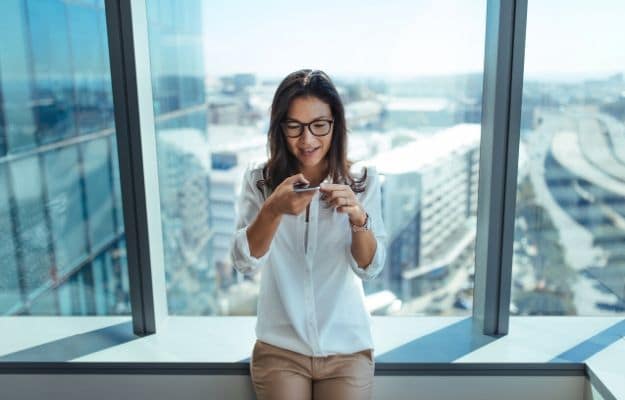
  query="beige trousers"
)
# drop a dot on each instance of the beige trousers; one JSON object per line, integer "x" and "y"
{"x": 279, "y": 374}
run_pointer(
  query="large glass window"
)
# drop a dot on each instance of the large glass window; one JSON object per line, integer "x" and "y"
{"x": 65, "y": 205}
{"x": 410, "y": 74}
{"x": 15, "y": 75}
{"x": 52, "y": 89}
{"x": 61, "y": 222}
{"x": 33, "y": 228}
{"x": 91, "y": 73}
{"x": 9, "y": 278}
{"x": 569, "y": 245}
{"x": 99, "y": 196}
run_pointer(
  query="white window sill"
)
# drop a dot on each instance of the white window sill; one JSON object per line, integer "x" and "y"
{"x": 404, "y": 345}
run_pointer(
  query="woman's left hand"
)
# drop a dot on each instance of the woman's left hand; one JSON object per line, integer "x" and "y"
{"x": 344, "y": 200}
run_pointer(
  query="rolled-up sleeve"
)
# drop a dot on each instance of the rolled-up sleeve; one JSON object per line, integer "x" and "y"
{"x": 250, "y": 202}
{"x": 371, "y": 201}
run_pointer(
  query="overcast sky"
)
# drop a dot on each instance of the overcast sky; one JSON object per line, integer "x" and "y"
{"x": 403, "y": 38}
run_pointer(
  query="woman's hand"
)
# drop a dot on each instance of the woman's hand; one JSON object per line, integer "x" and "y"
{"x": 284, "y": 200}
{"x": 344, "y": 200}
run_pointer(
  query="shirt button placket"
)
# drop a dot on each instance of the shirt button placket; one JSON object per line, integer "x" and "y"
{"x": 310, "y": 313}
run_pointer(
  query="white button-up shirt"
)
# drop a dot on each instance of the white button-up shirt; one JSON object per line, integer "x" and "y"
{"x": 311, "y": 297}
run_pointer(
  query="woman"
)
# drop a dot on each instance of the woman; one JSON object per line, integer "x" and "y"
{"x": 314, "y": 249}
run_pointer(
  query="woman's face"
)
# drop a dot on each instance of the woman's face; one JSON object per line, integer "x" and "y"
{"x": 310, "y": 150}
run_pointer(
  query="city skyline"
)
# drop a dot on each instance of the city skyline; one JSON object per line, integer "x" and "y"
{"x": 66, "y": 252}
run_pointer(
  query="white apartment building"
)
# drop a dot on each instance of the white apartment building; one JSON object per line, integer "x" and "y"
{"x": 429, "y": 200}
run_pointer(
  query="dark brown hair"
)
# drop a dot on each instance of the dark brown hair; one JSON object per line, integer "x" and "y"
{"x": 282, "y": 164}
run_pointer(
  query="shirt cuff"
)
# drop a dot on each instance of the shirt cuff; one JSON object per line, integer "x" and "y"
{"x": 375, "y": 266}
{"x": 242, "y": 258}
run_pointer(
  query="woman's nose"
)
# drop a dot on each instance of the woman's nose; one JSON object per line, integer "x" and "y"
{"x": 307, "y": 136}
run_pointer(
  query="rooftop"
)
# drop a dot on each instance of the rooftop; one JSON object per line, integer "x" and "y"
{"x": 427, "y": 151}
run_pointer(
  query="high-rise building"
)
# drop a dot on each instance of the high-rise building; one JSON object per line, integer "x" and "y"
{"x": 429, "y": 203}
{"x": 62, "y": 249}
{"x": 61, "y": 217}
{"x": 182, "y": 114}
{"x": 184, "y": 166}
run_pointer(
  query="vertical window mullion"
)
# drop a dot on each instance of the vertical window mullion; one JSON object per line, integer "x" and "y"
{"x": 134, "y": 124}
{"x": 501, "y": 111}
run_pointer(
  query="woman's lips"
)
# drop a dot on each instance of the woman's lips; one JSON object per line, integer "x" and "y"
{"x": 308, "y": 153}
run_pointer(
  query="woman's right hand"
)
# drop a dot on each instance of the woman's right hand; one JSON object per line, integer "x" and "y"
{"x": 284, "y": 200}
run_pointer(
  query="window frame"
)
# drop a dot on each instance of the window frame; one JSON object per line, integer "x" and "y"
{"x": 126, "y": 23}
{"x": 504, "y": 55}
{"x": 500, "y": 129}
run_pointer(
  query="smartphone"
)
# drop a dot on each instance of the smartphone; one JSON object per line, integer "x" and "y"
{"x": 303, "y": 187}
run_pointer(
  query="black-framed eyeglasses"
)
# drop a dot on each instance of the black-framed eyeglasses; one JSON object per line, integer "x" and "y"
{"x": 318, "y": 127}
